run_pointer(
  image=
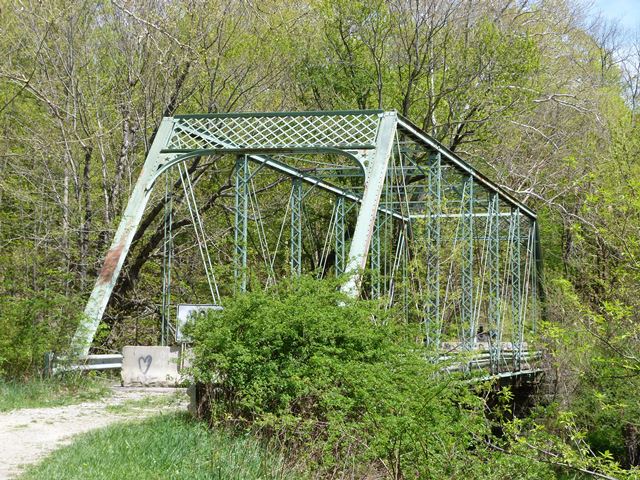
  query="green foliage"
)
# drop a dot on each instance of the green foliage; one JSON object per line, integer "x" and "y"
{"x": 167, "y": 446}
{"x": 342, "y": 384}
{"x": 606, "y": 404}
{"x": 31, "y": 326}
{"x": 51, "y": 392}
{"x": 563, "y": 443}
{"x": 585, "y": 359}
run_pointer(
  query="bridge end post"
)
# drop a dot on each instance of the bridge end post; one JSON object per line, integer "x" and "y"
{"x": 374, "y": 183}
{"x": 114, "y": 259}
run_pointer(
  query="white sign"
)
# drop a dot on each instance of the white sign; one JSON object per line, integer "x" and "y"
{"x": 185, "y": 312}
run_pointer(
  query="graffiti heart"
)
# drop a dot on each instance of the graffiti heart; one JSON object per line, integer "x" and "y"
{"x": 144, "y": 363}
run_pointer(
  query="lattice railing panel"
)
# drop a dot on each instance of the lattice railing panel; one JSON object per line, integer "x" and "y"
{"x": 278, "y": 131}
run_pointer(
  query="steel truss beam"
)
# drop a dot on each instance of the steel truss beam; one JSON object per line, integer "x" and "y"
{"x": 376, "y": 256}
{"x": 434, "y": 207}
{"x": 167, "y": 257}
{"x": 295, "y": 206}
{"x": 529, "y": 294}
{"x": 122, "y": 239}
{"x": 493, "y": 263}
{"x": 466, "y": 303}
{"x": 534, "y": 276}
{"x": 375, "y": 179}
{"x": 450, "y": 157}
{"x": 242, "y": 177}
{"x": 340, "y": 236}
{"x": 516, "y": 288}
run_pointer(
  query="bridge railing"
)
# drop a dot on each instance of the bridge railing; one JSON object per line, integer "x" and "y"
{"x": 54, "y": 364}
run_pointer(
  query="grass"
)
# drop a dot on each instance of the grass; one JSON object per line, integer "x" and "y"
{"x": 148, "y": 403}
{"x": 51, "y": 392}
{"x": 167, "y": 446}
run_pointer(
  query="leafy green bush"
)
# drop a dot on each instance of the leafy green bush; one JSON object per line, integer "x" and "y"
{"x": 341, "y": 383}
{"x": 31, "y": 326}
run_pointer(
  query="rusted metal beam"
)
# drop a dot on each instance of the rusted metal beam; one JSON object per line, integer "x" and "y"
{"x": 121, "y": 244}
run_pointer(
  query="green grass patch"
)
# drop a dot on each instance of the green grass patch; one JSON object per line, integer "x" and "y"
{"x": 149, "y": 403}
{"x": 168, "y": 446}
{"x": 51, "y": 392}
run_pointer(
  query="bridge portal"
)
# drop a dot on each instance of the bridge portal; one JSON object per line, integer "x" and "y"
{"x": 405, "y": 220}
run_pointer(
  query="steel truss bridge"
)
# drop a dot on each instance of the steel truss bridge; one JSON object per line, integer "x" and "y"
{"x": 405, "y": 220}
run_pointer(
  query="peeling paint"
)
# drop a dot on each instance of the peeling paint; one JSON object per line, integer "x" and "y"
{"x": 110, "y": 264}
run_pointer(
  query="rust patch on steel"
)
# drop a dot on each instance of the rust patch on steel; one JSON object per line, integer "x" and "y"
{"x": 110, "y": 263}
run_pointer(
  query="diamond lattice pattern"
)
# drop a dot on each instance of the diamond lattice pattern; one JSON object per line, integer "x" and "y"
{"x": 295, "y": 131}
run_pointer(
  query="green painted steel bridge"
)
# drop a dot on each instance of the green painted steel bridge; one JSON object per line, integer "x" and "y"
{"x": 365, "y": 195}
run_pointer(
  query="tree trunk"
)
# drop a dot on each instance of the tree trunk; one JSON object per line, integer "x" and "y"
{"x": 631, "y": 436}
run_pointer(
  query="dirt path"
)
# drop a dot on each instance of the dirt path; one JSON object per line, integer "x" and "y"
{"x": 27, "y": 435}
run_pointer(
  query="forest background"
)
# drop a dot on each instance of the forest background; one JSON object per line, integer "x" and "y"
{"x": 542, "y": 96}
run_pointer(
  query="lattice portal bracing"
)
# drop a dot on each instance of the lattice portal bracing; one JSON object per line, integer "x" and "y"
{"x": 347, "y": 131}
{"x": 364, "y": 195}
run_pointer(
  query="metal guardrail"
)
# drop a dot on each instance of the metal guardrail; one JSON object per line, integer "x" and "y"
{"x": 54, "y": 364}
{"x": 482, "y": 361}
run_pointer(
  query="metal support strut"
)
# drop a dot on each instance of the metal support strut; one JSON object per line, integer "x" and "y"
{"x": 242, "y": 174}
{"x": 376, "y": 256}
{"x": 167, "y": 258}
{"x": 516, "y": 289}
{"x": 296, "y": 227}
{"x": 121, "y": 244}
{"x": 466, "y": 307}
{"x": 493, "y": 262}
{"x": 340, "y": 236}
{"x": 434, "y": 210}
{"x": 374, "y": 183}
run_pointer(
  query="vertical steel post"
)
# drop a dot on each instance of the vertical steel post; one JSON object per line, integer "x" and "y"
{"x": 434, "y": 212}
{"x": 296, "y": 227}
{"x": 375, "y": 178}
{"x": 97, "y": 303}
{"x": 340, "y": 240}
{"x": 241, "y": 221}
{"x": 493, "y": 264}
{"x": 376, "y": 250}
{"x": 534, "y": 276}
{"x": 167, "y": 257}
{"x": 528, "y": 289}
{"x": 516, "y": 288}
{"x": 466, "y": 307}
{"x": 405, "y": 270}
{"x": 386, "y": 234}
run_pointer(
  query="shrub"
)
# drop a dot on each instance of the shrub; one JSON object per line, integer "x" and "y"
{"x": 341, "y": 383}
{"x": 31, "y": 326}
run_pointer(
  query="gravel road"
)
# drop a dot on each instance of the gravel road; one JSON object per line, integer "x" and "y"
{"x": 27, "y": 435}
